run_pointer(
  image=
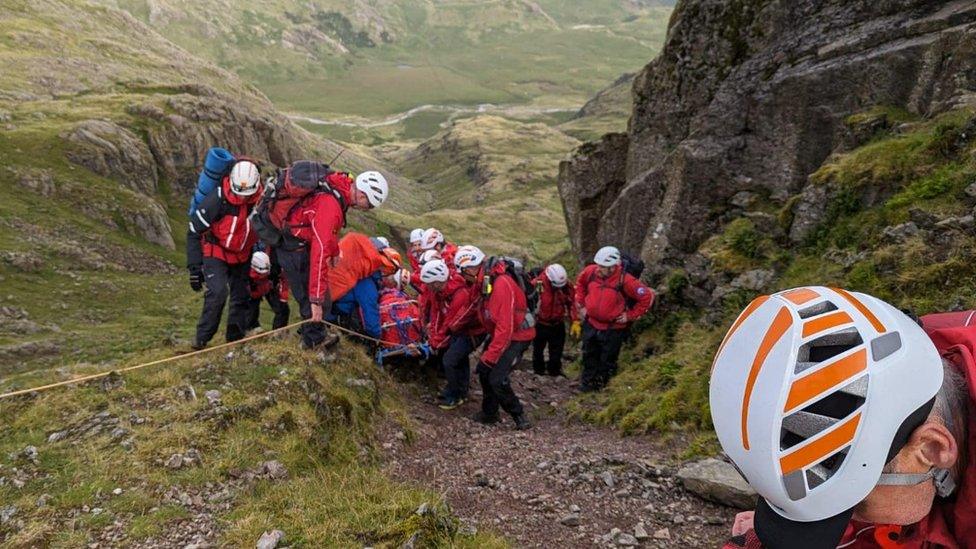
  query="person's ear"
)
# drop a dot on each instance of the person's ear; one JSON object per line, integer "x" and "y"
{"x": 933, "y": 445}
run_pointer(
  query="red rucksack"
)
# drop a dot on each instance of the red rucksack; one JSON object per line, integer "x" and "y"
{"x": 400, "y": 319}
{"x": 287, "y": 192}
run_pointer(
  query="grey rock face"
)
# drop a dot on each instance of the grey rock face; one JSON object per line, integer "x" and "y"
{"x": 753, "y": 96}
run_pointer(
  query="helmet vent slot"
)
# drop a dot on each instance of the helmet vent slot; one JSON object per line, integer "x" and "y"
{"x": 827, "y": 347}
{"x": 802, "y": 425}
{"x": 821, "y": 472}
{"x": 817, "y": 309}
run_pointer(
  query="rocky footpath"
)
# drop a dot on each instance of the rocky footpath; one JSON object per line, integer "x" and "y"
{"x": 753, "y": 96}
{"x": 563, "y": 483}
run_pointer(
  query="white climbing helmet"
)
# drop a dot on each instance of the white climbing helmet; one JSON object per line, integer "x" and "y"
{"x": 261, "y": 263}
{"x": 812, "y": 392}
{"x": 245, "y": 178}
{"x": 431, "y": 238}
{"x": 556, "y": 274}
{"x": 607, "y": 256}
{"x": 374, "y": 186}
{"x": 416, "y": 236}
{"x": 468, "y": 256}
{"x": 384, "y": 241}
{"x": 434, "y": 271}
{"x": 429, "y": 255}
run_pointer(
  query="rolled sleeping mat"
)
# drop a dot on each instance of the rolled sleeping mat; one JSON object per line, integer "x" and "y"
{"x": 218, "y": 162}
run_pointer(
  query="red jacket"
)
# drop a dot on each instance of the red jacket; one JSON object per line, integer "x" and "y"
{"x": 261, "y": 285}
{"x": 605, "y": 299}
{"x": 448, "y": 253}
{"x": 317, "y": 222}
{"x": 502, "y": 313}
{"x": 442, "y": 307}
{"x": 950, "y": 524}
{"x": 220, "y": 228}
{"x": 555, "y": 304}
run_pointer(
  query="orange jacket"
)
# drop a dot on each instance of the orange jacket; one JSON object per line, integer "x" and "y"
{"x": 358, "y": 259}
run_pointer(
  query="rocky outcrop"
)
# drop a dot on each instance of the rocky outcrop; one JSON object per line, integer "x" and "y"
{"x": 113, "y": 152}
{"x": 752, "y": 95}
{"x": 717, "y": 481}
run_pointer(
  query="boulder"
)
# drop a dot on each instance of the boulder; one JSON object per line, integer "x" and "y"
{"x": 717, "y": 481}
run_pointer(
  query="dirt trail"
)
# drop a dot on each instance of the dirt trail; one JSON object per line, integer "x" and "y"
{"x": 561, "y": 484}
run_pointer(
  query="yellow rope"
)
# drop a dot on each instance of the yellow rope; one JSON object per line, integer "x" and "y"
{"x": 183, "y": 356}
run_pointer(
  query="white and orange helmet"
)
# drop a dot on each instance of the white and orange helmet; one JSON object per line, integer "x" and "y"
{"x": 813, "y": 391}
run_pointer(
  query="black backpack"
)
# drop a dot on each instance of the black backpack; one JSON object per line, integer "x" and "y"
{"x": 634, "y": 266}
{"x": 514, "y": 268}
{"x": 283, "y": 195}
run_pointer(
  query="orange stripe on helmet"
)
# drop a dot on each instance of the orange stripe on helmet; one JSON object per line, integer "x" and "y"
{"x": 840, "y": 372}
{"x": 816, "y": 451}
{"x": 800, "y": 296}
{"x": 862, "y": 309}
{"x": 738, "y": 322}
{"x": 826, "y": 322}
{"x": 780, "y": 324}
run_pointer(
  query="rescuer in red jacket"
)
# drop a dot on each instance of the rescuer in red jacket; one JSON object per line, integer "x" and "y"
{"x": 316, "y": 223}
{"x": 609, "y": 300}
{"x": 455, "y": 329}
{"x": 505, "y": 315}
{"x": 218, "y": 252}
{"x": 556, "y": 295}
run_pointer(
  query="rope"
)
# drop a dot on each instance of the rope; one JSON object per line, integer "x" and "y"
{"x": 181, "y": 357}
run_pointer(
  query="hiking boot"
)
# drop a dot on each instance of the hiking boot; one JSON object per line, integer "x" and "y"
{"x": 483, "y": 419}
{"x": 522, "y": 423}
{"x": 197, "y": 346}
{"x": 451, "y": 404}
{"x": 589, "y": 388}
{"x": 329, "y": 342}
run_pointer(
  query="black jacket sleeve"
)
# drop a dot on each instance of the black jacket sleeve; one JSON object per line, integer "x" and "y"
{"x": 209, "y": 212}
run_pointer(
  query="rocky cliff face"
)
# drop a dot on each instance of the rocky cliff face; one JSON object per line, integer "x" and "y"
{"x": 748, "y": 98}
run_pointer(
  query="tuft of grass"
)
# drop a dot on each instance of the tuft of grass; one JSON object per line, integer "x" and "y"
{"x": 279, "y": 403}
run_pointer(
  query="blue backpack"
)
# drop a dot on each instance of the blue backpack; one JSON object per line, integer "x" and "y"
{"x": 218, "y": 164}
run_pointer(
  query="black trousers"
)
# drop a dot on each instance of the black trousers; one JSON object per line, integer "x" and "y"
{"x": 457, "y": 364}
{"x": 279, "y": 307}
{"x": 554, "y": 337}
{"x": 223, "y": 280}
{"x": 496, "y": 384}
{"x": 296, "y": 267}
{"x": 601, "y": 348}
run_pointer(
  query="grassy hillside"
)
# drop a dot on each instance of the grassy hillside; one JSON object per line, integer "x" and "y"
{"x": 493, "y": 183}
{"x": 149, "y": 460}
{"x": 326, "y": 58}
{"x": 607, "y": 112}
{"x": 897, "y": 223}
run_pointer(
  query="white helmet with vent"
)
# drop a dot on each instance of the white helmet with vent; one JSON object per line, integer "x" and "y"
{"x": 245, "y": 178}
{"x": 812, "y": 392}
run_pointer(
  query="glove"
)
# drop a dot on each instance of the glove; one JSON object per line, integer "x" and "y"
{"x": 196, "y": 279}
{"x": 576, "y": 329}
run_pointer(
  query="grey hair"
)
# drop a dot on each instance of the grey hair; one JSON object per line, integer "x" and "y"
{"x": 952, "y": 403}
{"x": 950, "y": 408}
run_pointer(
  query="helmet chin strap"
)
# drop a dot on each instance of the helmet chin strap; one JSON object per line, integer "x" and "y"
{"x": 944, "y": 483}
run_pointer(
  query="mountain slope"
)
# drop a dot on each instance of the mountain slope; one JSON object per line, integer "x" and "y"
{"x": 342, "y": 58}
{"x": 492, "y": 183}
